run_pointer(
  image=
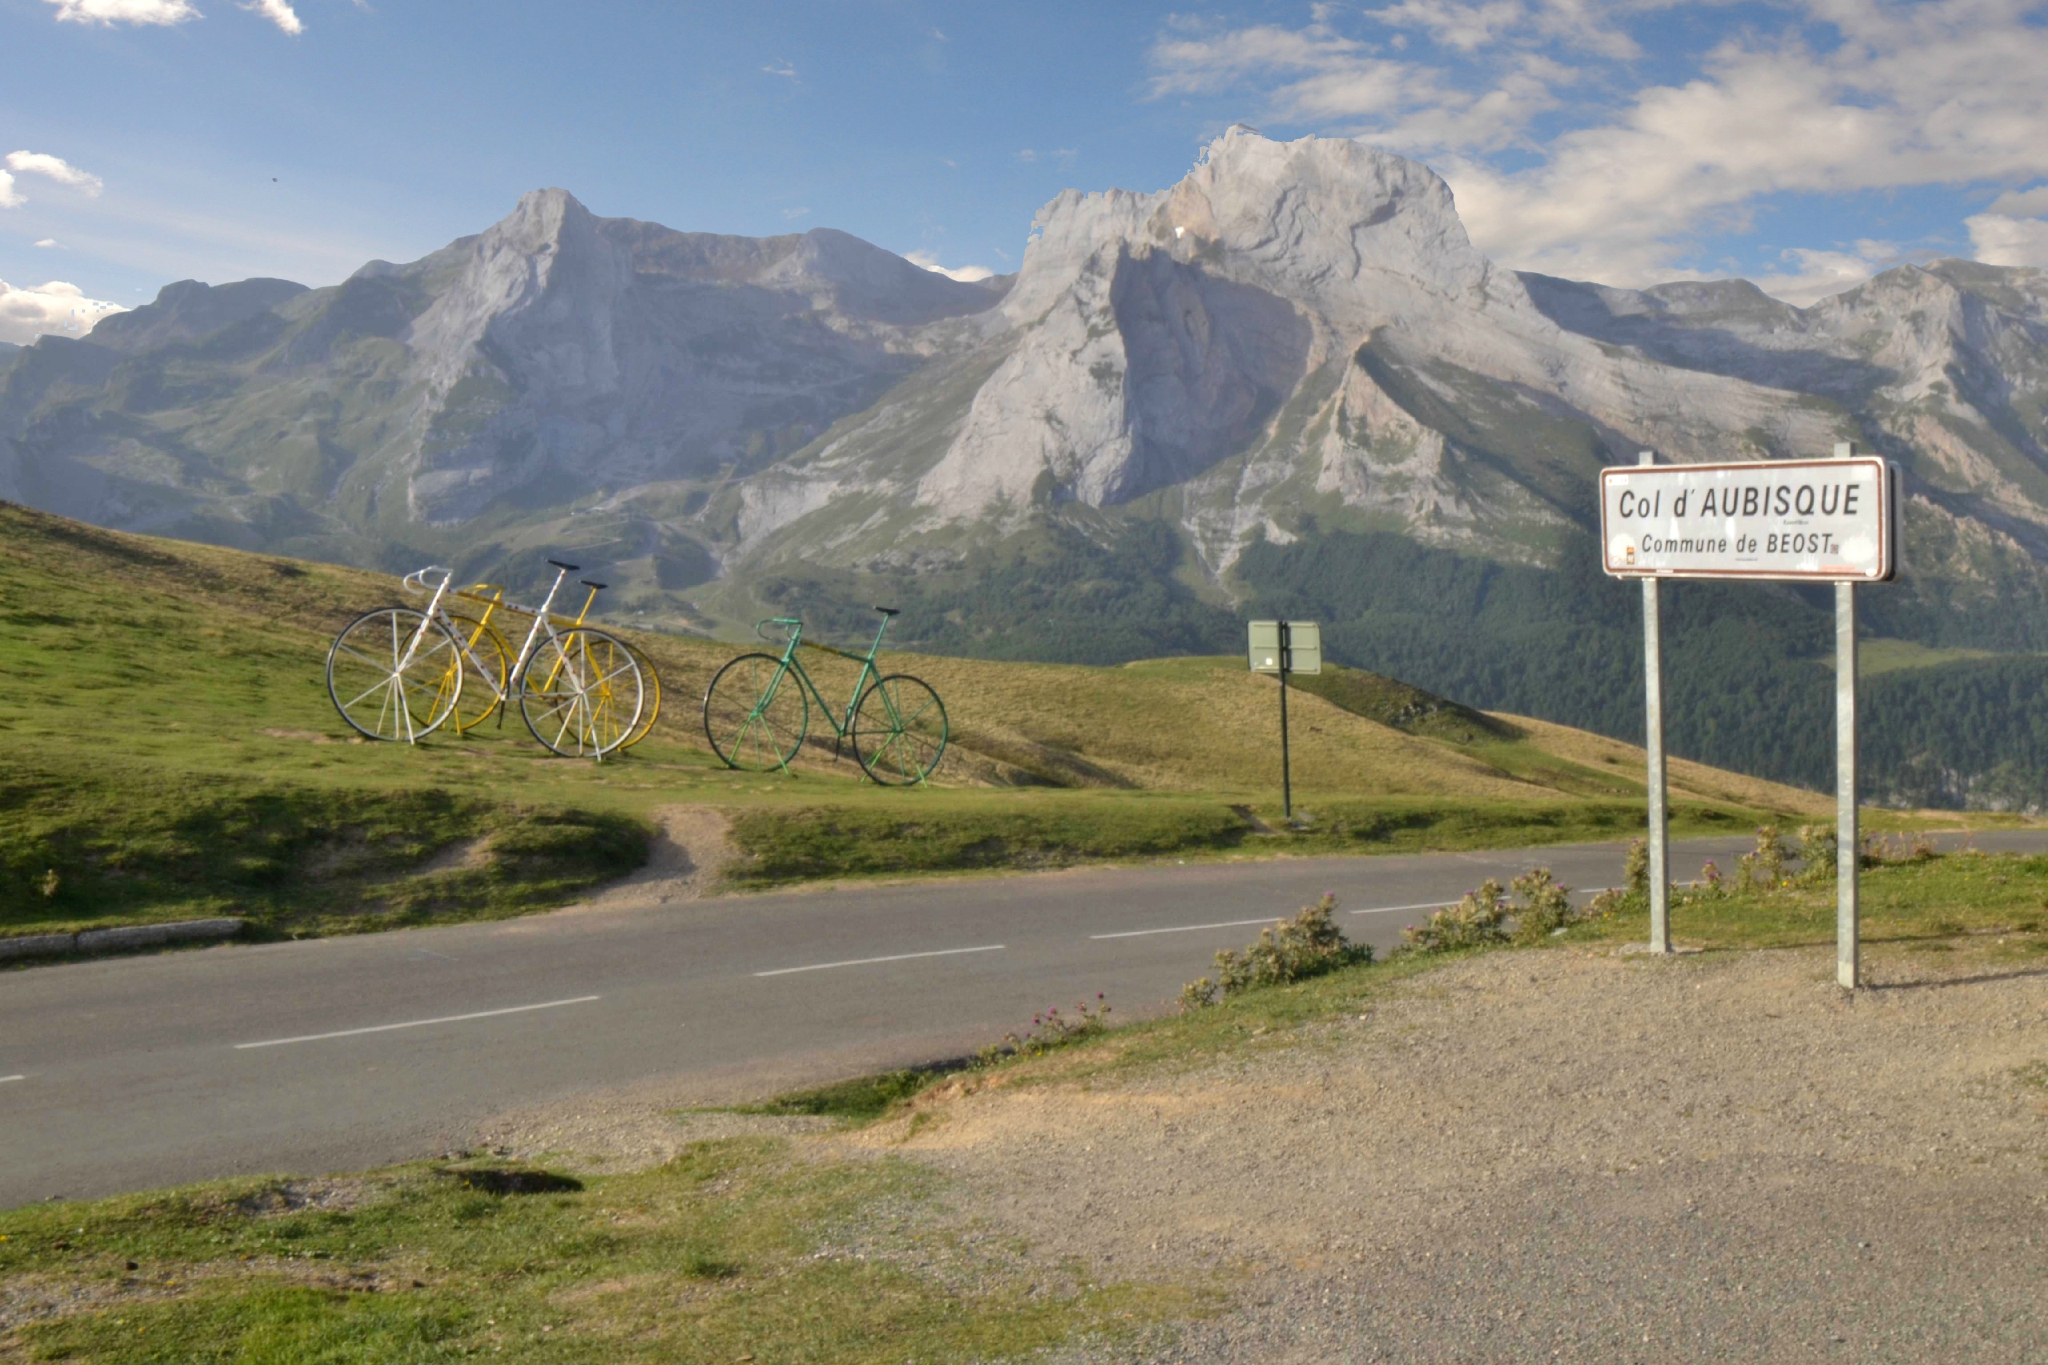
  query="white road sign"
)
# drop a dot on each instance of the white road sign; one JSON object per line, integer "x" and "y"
{"x": 1815, "y": 520}
{"x": 1304, "y": 646}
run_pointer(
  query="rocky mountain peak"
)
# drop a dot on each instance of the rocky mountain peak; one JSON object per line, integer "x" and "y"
{"x": 1158, "y": 333}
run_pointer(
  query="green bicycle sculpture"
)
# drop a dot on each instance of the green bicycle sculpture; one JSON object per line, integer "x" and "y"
{"x": 758, "y": 708}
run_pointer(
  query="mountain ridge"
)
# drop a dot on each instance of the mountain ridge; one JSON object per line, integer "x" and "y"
{"x": 1294, "y": 344}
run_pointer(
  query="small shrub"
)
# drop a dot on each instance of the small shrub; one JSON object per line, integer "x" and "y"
{"x": 1545, "y": 906}
{"x": 1539, "y": 908}
{"x": 1049, "y": 1030}
{"x": 1766, "y": 863}
{"x": 1818, "y": 849}
{"x": 50, "y": 885}
{"x": 1476, "y": 921}
{"x": 1711, "y": 880}
{"x": 1291, "y": 950}
{"x": 1636, "y": 874}
{"x": 1880, "y": 850}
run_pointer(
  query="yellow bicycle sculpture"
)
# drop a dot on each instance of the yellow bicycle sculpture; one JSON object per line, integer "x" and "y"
{"x": 397, "y": 673}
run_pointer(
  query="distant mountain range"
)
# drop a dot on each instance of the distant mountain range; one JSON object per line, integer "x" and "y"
{"x": 1221, "y": 397}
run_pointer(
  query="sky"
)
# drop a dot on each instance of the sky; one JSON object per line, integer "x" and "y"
{"x": 1805, "y": 145}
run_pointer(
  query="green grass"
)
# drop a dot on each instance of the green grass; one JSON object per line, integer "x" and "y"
{"x": 959, "y": 833}
{"x": 1927, "y": 901}
{"x": 172, "y": 753}
{"x": 737, "y": 1249}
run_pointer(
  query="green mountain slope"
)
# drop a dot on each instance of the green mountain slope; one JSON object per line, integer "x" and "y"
{"x": 172, "y": 752}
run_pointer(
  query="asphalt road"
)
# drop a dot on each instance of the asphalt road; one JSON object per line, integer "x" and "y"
{"x": 348, "y": 1052}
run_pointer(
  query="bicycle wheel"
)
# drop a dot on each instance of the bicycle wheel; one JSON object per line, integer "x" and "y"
{"x": 393, "y": 674}
{"x": 581, "y": 693}
{"x": 650, "y": 699}
{"x": 486, "y": 660}
{"x": 899, "y": 730}
{"x": 755, "y": 713}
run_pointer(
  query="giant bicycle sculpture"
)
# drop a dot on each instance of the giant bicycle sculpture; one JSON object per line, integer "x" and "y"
{"x": 758, "y": 708}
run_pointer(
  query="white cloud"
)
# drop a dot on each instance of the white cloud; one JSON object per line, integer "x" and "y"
{"x": 55, "y": 168}
{"x": 2023, "y": 203}
{"x": 47, "y": 241}
{"x": 28, "y": 313}
{"x": 9, "y": 199}
{"x": 2003, "y": 240}
{"x": 110, "y": 12}
{"x": 780, "y": 69}
{"x": 966, "y": 274}
{"x": 1463, "y": 27}
{"x": 796, "y": 213}
{"x": 278, "y": 12}
{"x": 1317, "y": 76}
{"x": 1027, "y": 155}
{"x": 1890, "y": 94}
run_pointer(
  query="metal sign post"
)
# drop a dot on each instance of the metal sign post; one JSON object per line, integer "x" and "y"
{"x": 1653, "y": 747}
{"x": 1848, "y": 846}
{"x": 1830, "y": 521}
{"x": 1284, "y": 647}
{"x": 1286, "y": 768}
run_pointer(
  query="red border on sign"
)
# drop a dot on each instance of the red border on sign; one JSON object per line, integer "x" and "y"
{"x": 1884, "y": 544}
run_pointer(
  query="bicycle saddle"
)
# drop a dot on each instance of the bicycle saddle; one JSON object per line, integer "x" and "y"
{"x": 588, "y": 584}
{"x": 572, "y": 568}
{"x": 889, "y": 611}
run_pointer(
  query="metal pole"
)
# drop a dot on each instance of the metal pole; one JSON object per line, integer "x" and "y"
{"x": 1653, "y": 718}
{"x": 1848, "y": 846}
{"x": 1286, "y": 775}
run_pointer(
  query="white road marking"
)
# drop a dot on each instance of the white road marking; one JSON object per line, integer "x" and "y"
{"x": 1444, "y": 905}
{"x": 5, "y": 1079}
{"x": 1188, "y": 928}
{"x": 1397, "y": 909}
{"x": 419, "y": 1023}
{"x": 869, "y": 961}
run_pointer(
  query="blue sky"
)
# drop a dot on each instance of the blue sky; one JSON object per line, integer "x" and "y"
{"x": 1804, "y": 144}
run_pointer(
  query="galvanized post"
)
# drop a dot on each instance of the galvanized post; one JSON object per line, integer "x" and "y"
{"x": 1286, "y": 775}
{"x": 1653, "y": 717}
{"x": 1848, "y": 846}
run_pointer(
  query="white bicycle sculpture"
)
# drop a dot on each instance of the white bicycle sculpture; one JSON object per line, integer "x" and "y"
{"x": 397, "y": 673}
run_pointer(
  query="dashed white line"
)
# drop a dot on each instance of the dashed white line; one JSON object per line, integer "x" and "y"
{"x": 419, "y": 1023}
{"x": 1188, "y": 928}
{"x": 895, "y": 957}
{"x": 1397, "y": 909}
{"x": 5, "y": 1079}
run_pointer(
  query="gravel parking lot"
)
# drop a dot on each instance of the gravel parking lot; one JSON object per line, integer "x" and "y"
{"x": 1573, "y": 1154}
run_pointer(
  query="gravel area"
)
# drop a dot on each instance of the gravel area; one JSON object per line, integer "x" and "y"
{"x": 1570, "y": 1154}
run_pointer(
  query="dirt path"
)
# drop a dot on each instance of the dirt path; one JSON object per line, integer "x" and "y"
{"x": 1574, "y": 1155}
{"x": 690, "y": 849}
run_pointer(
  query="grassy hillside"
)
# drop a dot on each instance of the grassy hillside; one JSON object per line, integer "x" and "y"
{"x": 171, "y": 752}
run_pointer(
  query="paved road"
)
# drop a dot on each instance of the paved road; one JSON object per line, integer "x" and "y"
{"x": 348, "y": 1052}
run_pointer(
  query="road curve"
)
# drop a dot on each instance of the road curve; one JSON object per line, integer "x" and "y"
{"x": 348, "y": 1052}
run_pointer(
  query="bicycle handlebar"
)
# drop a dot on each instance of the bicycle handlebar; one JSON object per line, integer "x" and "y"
{"x": 795, "y": 623}
{"x": 416, "y": 581}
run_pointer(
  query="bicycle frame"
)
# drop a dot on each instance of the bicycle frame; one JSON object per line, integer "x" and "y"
{"x": 792, "y": 664}
{"x": 543, "y": 622}
{"x": 492, "y": 597}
